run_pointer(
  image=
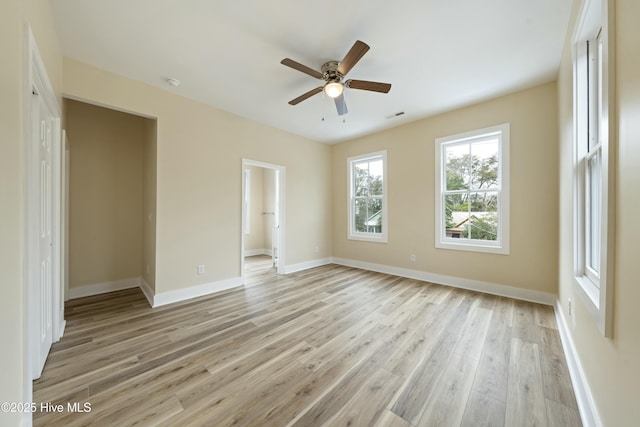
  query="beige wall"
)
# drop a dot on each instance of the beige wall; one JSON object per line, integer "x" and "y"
{"x": 255, "y": 239}
{"x": 149, "y": 152}
{"x": 14, "y": 15}
{"x": 11, "y": 208}
{"x": 611, "y": 365}
{"x": 105, "y": 194}
{"x": 199, "y": 173}
{"x": 532, "y": 263}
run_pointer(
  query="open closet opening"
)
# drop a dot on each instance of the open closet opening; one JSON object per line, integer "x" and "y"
{"x": 112, "y": 199}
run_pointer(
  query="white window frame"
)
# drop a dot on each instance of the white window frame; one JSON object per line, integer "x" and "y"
{"x": 501, "y": 245}
{"x": 352, "y": 234}
{"x": 593, "y": 94}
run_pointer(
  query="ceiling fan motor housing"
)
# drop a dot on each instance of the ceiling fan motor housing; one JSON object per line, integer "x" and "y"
{"x": 330, "y": 71}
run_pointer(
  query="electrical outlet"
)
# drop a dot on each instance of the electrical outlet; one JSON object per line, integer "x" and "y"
{"x": 412, "y": 257}
{"x": 201, "y": 269}
{"x": 570, "y": 307}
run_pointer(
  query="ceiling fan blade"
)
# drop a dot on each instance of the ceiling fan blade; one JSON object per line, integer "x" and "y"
{"x": 306, "y": 95}
{"x": 352, "y": 57}
{"x": 341, "y": 106}
{"x": 366, "y": 85}
{"x": 298, "y": 66}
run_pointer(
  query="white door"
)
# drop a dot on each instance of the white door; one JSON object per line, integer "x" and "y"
{"x": 43, "y": 298}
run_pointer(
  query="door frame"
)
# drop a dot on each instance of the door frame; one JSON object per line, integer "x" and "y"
{"x": 281, "y": 211}
{"x": 37, "y": 81}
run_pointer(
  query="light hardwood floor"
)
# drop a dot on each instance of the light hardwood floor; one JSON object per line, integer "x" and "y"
{"x": 327, "y": 346}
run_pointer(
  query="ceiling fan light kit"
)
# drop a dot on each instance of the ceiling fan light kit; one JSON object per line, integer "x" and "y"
{"x": 333, "y": 89}
{"x": 332, "y": 72}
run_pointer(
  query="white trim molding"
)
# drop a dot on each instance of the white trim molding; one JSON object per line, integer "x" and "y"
{"x": 456, "y": 282}
{"x": 194, "y": 291}
{"x": 294, "y": 268}
{"x": 155, "y": 300}
{"x": 584, "y": 397}
{"x": 254, "y": 252}
{"x": 103, "y": 287}
{"x": 147, "y": 291}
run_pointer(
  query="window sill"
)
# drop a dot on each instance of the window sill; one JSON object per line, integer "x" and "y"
{"x": 365, "y": 238}
{"x": 473, "y": 247}
{"x": 589, "y": 292}
{"x": 593, "y": 302}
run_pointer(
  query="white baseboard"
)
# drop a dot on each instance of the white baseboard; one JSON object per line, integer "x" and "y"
{"x": 306, "y": 265}
{"x": 194, "y": 291}
{"x": 456, "y": 282}
{"x": 586, "y": 403}
{"x": 103, "y": 287}
{"x": 254, "y": 252}
{"x": 155, "y": 300}
{"x": 146, "y": 290}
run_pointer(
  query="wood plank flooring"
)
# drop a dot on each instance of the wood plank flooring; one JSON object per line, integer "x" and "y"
{"x": 332, "y": 346}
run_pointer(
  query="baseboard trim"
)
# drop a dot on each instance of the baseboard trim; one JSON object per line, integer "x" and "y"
{"x": 254, "y": 252}
{"x": 194, "y": 291}
{"x": 456, "y": 282}
{"x": 147, "y": 291}
{"x": 155, "y": 300}
{"x": 584, "y": 397}
{"x": 294, "y": 268}
{"x": 104, "y": 287}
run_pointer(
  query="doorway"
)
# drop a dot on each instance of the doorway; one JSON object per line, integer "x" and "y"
{"x": 112, "y": 186}
{"x": 263, "y": 225}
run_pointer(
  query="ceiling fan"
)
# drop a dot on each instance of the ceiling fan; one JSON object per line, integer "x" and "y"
{"x": 332, "y": 72}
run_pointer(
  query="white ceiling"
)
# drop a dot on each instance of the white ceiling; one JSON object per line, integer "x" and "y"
{"x": 438, "y": 54}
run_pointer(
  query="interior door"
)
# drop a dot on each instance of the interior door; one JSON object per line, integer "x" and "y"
{"x": 43, "y": 120}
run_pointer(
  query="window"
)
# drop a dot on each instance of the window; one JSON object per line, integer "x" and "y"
{"x": 590, "y": 151}
{"x": 472, "y": 191}
{"x": 592, "y": 198}
{"x": 367, "y": 197}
